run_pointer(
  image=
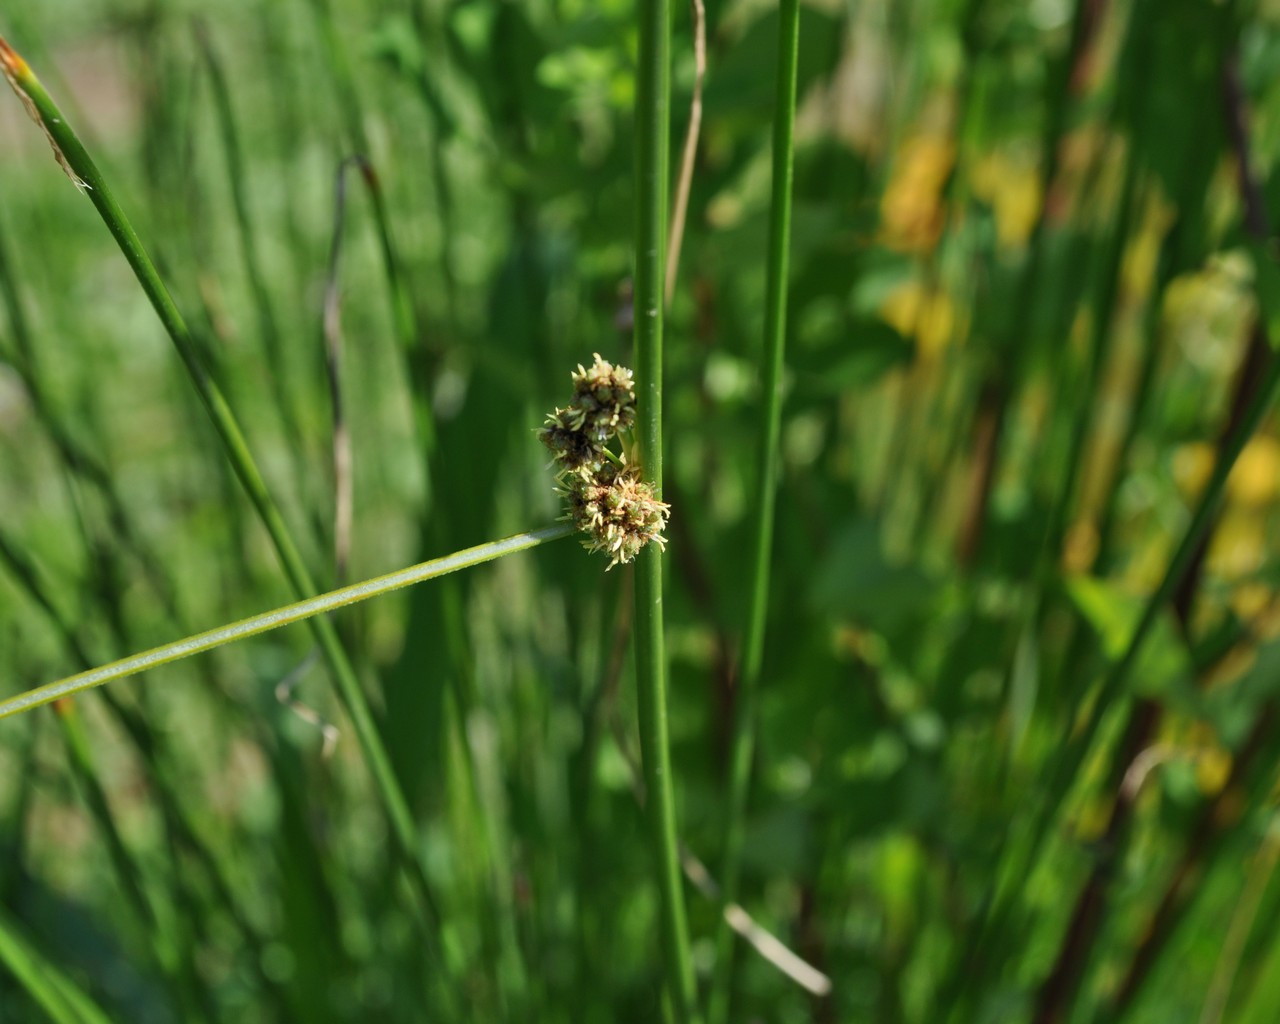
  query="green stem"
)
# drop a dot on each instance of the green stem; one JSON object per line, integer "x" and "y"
{"x": 742, "y": 750}
{"x": 652, "y": 128}
{"x": 290, "y": 613}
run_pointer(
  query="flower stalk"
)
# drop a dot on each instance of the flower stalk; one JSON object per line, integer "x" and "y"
{"x": 652, "y": 130}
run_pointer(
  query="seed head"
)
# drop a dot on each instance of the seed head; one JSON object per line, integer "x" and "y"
{"x": 606, "y": 498}
{"x": 575, "y": 451}
{"x": 617, "y": 511}
{"x": 605, "y": 398}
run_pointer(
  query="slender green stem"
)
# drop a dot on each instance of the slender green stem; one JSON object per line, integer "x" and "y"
{"x": 742, "y": 750}
{"x": 290, "y": 613}
{"x": 653, "y": 116}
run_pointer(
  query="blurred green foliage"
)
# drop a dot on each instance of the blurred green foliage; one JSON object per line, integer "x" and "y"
{"x": 1025, "y": 296}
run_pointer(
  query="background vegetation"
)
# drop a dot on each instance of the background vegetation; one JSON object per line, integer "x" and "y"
{"x": 1031, "y": 299}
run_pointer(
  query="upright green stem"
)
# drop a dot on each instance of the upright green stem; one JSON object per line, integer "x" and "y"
{"x": 742, "y": 750}
{"x": 652, "y": 144}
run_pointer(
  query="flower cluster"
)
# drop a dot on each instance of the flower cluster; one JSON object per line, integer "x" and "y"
{"x": 607, "y": 499}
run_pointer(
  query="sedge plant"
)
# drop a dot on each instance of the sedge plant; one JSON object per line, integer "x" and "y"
{"x": 74, "y": 159}
{"x": 940, "y": 681}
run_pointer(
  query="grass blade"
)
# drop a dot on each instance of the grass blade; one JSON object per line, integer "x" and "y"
{"x": 267, "y": 621}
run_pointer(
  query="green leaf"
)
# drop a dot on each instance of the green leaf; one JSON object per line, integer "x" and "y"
{"x": 854, "y": 355}
{"x": 1164, "y": 668}
{"x": 1266, "y": 271}
{"x": 856, "y": 580}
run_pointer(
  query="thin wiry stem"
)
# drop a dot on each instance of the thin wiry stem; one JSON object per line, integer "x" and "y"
{"x": 742, "y": 749}
{"x": 349, "y": 107}
{"x": 343, "y": 487}
{"x": 689, "y": 154}
{"x": 343, "y": 491}
{"x": 77, "y": 163}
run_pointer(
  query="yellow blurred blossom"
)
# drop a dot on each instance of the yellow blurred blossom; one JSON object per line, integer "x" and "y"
{"x": 911, "y": 213}
{"x": 1250, "y": 600}
{"x": 1080, "y": 547}
{"x": 1255, "y": 480}
{"x": 1213, "y": 768}
{"x": 1011, "y": 187}
{"x": 1195, "y": 742}
{"x": 1143, "y": 250}
{"x": 1192, "y": 467}
{"x": 929, "y": 317}
{"x": 1238, "y": 547}
{"x": 1230, "y": 668}
{"x": 1260, "y": 607}
{"x": 1208, "y": 313}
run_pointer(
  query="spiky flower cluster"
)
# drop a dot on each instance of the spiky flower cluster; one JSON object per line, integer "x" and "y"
{"x": 606, "y": 498}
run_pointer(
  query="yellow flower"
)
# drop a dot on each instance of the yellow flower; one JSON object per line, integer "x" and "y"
{"x": 1192, "y": 467}
{"x": 1239, "y": 546}
{"x": 1213, "y": 768}
{"x": 1255, "y": 480}
{"x": 929, "y": 317}
{"x": 1012, "y": 189}
{"x": 911, "y": 213}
